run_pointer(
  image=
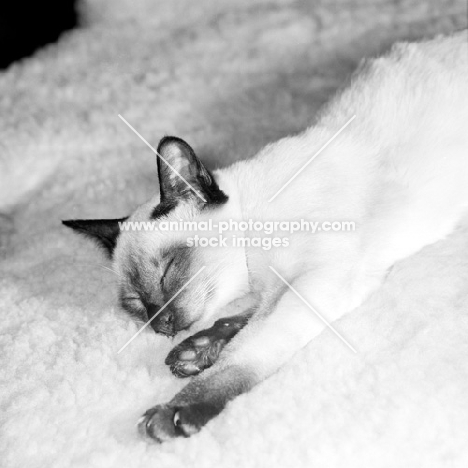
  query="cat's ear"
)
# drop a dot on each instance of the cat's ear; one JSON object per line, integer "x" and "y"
{"x": 104, "y": 231}
{"x": 183, "y": 175}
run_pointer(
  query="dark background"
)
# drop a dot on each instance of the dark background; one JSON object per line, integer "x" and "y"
{"x": 27, "y": 25}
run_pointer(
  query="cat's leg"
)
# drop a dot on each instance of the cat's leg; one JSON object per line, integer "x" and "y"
{"x": 201, "y": 351}
{"x": 271, "y": 338}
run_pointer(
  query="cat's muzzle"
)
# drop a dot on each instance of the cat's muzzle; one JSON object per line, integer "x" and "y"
{"x": 163, "y": 323}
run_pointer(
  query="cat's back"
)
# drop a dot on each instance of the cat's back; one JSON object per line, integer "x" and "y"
{"x": 410, "y": 109}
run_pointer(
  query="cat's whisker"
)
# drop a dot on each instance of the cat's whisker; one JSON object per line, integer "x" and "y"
{"x": 109, "y": 269}
{"x": 99, "y": 265}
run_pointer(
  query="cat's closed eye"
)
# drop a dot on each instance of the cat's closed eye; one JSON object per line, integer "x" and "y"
{"x": 166, "y": 270}
{"x": 133, "y": 305}
{"x": 130, "y": 299}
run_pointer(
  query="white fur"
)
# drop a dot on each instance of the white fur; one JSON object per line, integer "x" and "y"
{"x": 399, "y": 171}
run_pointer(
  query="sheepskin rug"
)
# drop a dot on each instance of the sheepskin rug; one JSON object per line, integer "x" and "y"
{"x": 228, "y": 76}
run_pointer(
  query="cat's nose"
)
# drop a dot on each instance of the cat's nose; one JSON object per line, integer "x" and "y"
{"x": 163, "y": 323}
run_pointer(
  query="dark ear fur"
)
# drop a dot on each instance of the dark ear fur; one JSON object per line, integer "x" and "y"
{"x": 183, "y": 159}
{"x": 103, "y": 231}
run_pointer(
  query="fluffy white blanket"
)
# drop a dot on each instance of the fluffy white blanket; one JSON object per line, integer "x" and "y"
{"x": 228, "y": 76}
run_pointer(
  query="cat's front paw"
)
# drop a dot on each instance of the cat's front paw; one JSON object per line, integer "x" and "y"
{"x": 158, "y": 423}
{"x": 200, "y": 351}
{"x": 194, "y": 355}
{"x": 166, "y": 422}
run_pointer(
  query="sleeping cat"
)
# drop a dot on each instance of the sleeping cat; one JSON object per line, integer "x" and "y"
{"x": 399, "y": 171}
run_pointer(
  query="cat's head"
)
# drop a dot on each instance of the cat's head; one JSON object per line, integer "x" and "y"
{"x": 162, "y": 268}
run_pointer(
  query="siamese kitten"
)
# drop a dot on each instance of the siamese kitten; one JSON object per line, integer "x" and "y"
{"x": 399, "y": 171}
